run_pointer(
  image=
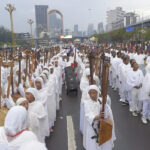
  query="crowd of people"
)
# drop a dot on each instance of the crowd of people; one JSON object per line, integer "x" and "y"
{"x": 32, "y": 116}
{"x": 91, "y": 107}
{"x": 130, "y": 73}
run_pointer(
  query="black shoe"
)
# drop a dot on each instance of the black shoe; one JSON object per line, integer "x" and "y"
{"x": 123, "y": 103}
{"x": 126, "y": 102}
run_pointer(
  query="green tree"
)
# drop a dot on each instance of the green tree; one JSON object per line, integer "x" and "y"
{"x": 5, "y": 35}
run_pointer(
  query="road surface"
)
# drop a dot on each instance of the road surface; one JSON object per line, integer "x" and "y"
{"x": 130, "y": 132}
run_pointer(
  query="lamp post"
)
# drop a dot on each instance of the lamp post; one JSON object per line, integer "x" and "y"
{"x": 10, "y": 8}
{"x": 30, "y": 22}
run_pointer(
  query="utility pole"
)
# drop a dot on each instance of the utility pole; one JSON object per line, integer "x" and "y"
{"x": 10, "y": 8}
{"x": 30, "y": 22}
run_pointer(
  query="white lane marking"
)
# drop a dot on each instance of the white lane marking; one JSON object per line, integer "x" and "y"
{"x": 70, "y": 133}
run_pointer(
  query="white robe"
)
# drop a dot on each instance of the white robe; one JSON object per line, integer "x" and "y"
{"x": 134, "y": 78}
{"x": 37, "y": 120}
{"x": 43, "y": 98}
{"x": 51, "y": 99}
{"x": 14, "y": 133}
{"x": 92, "y": 109}
{"x": 57, "y": 73}
{"x": 16, "y": 142}
{"x": 145, "y": 90}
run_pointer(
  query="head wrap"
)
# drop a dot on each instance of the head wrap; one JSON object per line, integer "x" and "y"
{"x": 94, "y": 87}
{"x": 40, "y": 80}
{"x": 45, "y": 71}
{"x": 15, "y": 120}
{"x": 44, "y": 76}
{"x": 20, "y": 100}
{"x": 34, "y": 92}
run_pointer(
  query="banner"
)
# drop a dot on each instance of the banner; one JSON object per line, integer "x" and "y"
{"x": 129, "y": 29}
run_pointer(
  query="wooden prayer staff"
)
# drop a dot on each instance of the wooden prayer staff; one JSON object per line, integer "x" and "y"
{"x": 106, "y": 124}
{"x": 27, "y": 58}
{"x": 91, "y": 58}
{"x": 36, "y": 60}
{"x": 47, "y": 56}
{"x": 97, "y": 65}
{"x": 75, "y": 63}
{"x": 19, "y": 75}
{"x": 4, "y": 110}
{"x": 102, "y": 57}
{"x": 32, "y": 66}
{"x": 11, "y": 65}
{"x": 44, "y": 57}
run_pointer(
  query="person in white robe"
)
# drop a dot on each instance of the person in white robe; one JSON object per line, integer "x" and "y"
{"x": 58, "y": 73}
{"x": 148, "y": 59}
{"x": 6, "y": 101}
{"x": 44, "y": 97}
{"x": 112, "y": 73}
{"x": 114, "y": 66}
{"x": 139, "y": 57}
{"x": 145, "y": 96}
{"x": 85, "y": 79}
{"x": 52, "y": 97}
{"x": 84, "y": 86}
{"x": 92, "y": 116}
{"x": 37, "y": 115}
{"x": 22, "y": 102}
{"x": 15, "y": 133}
{"x": 134, "y": 84}
{"x": 125, "y": 69}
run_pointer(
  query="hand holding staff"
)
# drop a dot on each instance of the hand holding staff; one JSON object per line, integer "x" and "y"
{"x": 106, "y": 125}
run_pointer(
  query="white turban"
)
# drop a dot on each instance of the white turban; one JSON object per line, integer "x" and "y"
{"x": 93, "y": 87}
{"x": 15, "y": 120}
{"x": 34, "y": 92}
{"x": 45, "y": 71}
{"x": 44, "y": 76}
{"x": 40, "y": 80}
{"x": 20, "y": 100}
{"x": 51, "y": 67}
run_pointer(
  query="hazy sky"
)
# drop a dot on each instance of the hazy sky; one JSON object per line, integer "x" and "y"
{"x": 81, "y": 12}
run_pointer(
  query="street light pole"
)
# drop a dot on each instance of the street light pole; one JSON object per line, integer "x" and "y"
{"x": 30, "y": 21}
{"x": 10, "y": 8}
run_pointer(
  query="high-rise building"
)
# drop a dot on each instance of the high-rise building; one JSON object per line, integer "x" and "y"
{"x": 115, "y": 19}
{"x": 54, "y": 25}
{"x": 130, "y": 18}
{"x": 41, "y": 18}
{"x": 90, "y": 30}
{"x": 76, "y": 28}
{"x": 84, "y": 34}
{"x": 68, "y": 32}
{"x": 100, "y": 28}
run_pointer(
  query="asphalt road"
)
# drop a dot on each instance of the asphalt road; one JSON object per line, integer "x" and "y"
{"x": 69, "y": 106}
{"x": 130, "y": 132}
